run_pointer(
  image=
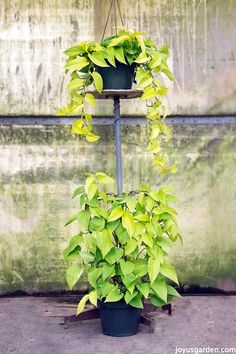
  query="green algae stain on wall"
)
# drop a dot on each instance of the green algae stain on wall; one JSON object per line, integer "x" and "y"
{"x": 42, "y": 166}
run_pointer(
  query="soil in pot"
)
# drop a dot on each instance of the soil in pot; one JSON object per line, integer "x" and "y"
{"x": 119, "y": 319}
{"x": 117, "y": 78}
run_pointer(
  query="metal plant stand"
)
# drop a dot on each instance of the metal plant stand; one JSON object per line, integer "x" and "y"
{"x": 117, "y": 95}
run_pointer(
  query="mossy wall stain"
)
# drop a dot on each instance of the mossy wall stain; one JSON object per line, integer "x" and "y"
{"x": 34, "y": 34}
{"x": 41, "y": 166}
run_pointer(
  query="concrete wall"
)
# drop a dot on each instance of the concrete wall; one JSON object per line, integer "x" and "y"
{"x": 201, "y": 33}
{"x": 40, "y": 166}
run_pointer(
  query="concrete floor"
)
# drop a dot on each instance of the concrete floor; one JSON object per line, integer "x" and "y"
{"x": 31, "y": 325}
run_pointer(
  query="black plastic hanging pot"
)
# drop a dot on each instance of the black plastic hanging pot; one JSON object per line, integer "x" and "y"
{"x": 119, "y": 319}
{"x": 117, "y": 78}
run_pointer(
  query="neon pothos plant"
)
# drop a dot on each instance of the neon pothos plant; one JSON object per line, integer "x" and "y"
{"x": 122, "y": 244}
{"x": 127, "y": 47}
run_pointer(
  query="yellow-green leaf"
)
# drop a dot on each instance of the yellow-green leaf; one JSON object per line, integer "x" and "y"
{"x": 89, "y": 180}
{"x": 93, "y": 298}
{"x": 76, "y": 64}
{"x": 131, "y": 246}
{"x": 168, "y": 271}
{"x": 172, "y": 291}
{"x": 141, "y": 42}
{"x": 75, "y": 84}
{"x": 159, "y": 254}
{"x": 149, "y": 92}
{"x": 74, "y": 242}
{"x": 98, "y": 48}
{"x": 107, "y": 269}
{"x": 141, "y": 74}
{"x": 88, "y": 118}
{"x": 98, "y": 82}
{"x": 93, "y": 275}
{"x": 144, "y": 289}
{"x": 166, "y": 70}
{"x": 71, "y": 219}
{"x": 146, "y": 81}
{"x": 64, "y": 111}
{"x": 84, "y": 218}
{"x": 76, "y": 109}
{"x": 142, "y": 58}
{"x": 128, "y": 223}
{"x": 141, "y": 217}
{"x": 139, "y": 227}
{"x": 147, "y": 239}
{"x": 137, "y": 302}
{"x": 114, "y": 295}
{"x": 73, "y": 274}
{"x": 159, "y": 286}
{"x": 156, "y": 61}
{"x": 116, "y": 213}
{"x": 119, "y": 54}
{"x": 173, "y": 169}
{"x": 103, "y": 178}
{"x": 155, "y": 131}
{"x": 118, "y": 40}
{"x": 92, "y": 190}
{"x": 90, "y": 99}
{"x": 104, "y": 241}
{"x": 75, "y": 50}
{"x": 92, "y": 137}
{"x": 80, "y": 307}
{"x": 129, "y": 296}
{"x": 131, "y": 203}
{"x": 96, "y": 223}
{"x": 110, "y": 56}
{"x": 114, "y": 255}
{"x": 98, "y": 59}
{"x": 153, "y": 269}
{"x": 141, "y": 268}
{"x": 127, "y": 267}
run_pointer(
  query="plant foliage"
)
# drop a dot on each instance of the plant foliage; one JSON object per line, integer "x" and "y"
{"x": 122, "y": 244}
{"x": 127, "y": 47}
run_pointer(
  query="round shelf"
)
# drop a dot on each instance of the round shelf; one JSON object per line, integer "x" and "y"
{"x": 122, "y": 94}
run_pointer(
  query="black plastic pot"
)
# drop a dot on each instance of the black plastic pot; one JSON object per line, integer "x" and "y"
{"x": 120, "y": 77}
{"x": 119, "y": 319}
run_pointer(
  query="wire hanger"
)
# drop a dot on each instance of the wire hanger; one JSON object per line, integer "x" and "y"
{"x": 114, "y": 5}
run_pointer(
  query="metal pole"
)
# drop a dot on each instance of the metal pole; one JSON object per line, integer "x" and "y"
{"x": 117, "y": 124}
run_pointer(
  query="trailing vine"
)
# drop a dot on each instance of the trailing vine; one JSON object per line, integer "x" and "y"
{"x": 127, "y": 47}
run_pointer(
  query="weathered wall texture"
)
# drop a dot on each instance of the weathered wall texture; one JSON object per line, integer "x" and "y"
{"x": 40, "y": 167}
{"x": 201, "y": 33}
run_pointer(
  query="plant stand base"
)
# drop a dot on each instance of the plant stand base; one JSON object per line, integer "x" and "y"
{"x": 146, "y": 318}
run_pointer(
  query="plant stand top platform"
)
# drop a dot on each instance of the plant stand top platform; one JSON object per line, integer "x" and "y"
{"x": 121, "y": 94}
{"x": 116, "y": 95}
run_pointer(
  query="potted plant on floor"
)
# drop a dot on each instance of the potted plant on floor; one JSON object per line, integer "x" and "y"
{"x": 115, "y": 63}
{"x": 121, "y": 247}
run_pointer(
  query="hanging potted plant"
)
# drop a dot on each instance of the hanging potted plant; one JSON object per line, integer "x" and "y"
{"x": 116, "y": 63}
{"x": 121, "y": 247}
